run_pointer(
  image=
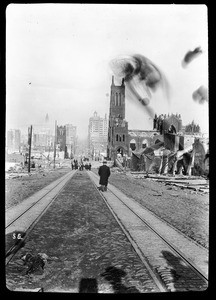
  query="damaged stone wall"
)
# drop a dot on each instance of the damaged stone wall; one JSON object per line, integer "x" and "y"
{"x": 201, "y": 166}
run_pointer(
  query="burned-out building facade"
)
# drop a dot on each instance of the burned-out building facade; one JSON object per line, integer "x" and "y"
{"x": 121, "y": 139}
{"x": 166, "y": 137}
{"x": 118, "y": 139}
{"x": 61, "y": 138}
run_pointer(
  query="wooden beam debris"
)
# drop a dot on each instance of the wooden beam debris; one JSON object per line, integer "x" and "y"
{"x": 184, "y": 182}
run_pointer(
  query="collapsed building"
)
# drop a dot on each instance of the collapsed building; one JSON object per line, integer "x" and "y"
{"x": 164, "y": 149}
{"x": 175, "y": 153}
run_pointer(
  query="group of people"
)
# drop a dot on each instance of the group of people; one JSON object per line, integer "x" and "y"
{"x": 76, "y": 165}
{"x": 88, "y": 166}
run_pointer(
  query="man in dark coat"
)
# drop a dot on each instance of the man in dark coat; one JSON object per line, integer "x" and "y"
{"x": 104, "y": 173}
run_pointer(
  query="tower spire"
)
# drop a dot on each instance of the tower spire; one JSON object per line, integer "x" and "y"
{"x": 47, "y": 118}
{"x": 113, "y": 80}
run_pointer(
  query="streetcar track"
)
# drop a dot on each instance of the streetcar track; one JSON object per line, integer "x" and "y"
{"x": 187, "y": 261}
{"x": 158, "y": 280}
{"x": 14, "y": 248}
{"x": 170, "y": 225}
{"x": 154, "y": 275}
{"x": 36, "y": 202}
{"x": 29, "y": 207}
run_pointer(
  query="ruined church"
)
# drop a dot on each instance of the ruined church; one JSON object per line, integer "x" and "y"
{"x": 122, "y": 140}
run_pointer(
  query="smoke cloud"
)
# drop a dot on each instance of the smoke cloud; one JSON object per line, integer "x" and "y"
{"x": 191, "y": 55}
{"x": 200, "y": 95}
{"x": 142, "y": 77}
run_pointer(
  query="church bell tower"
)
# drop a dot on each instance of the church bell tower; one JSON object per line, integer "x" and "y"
{"x": 118, "y": 126}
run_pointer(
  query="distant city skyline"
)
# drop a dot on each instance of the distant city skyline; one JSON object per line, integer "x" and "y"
{"x": 39, "y": 126}
{"x": 58, "y": 64}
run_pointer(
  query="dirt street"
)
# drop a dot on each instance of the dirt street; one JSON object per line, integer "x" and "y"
{"x": 19, "y": 188}
{"x": 185, "y": 209}
{"x": 84, "y": 246}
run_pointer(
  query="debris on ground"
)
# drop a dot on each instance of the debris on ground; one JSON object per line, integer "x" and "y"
{"x": 195, "y": 183}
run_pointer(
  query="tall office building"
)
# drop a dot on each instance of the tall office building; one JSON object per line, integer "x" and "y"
{"x": 43, "y": 135}
{"x": 71, "y": 139}
{"x": 13, "y": 139}
{"x": 97, "y": 135}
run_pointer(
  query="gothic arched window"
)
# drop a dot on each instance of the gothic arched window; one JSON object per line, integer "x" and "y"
{"x": 133, "y": 144}
{"x": 123, "y": 137}
{"x": 116, "y": 137}
{"x": 119, "y": 138}
{"x": 120, "y": 99}
{"x": 116, "y": 99}
{"x": 144, "y": 143}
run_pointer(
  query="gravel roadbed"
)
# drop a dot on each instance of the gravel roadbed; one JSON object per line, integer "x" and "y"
{"x": 183, "y": 209}
{"x": 22, "y": 187}
{"x": 84, "y": 243}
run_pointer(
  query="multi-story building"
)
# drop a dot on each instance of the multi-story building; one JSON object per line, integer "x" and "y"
{"x": 14, "y": 139}
{"x": 97, "y": 135}
{"x": 40, "y": 140}
{"x": 66, "y": 140}
{"x": 61, "y": 138}
{"x": 43, "y": 136}
{"x": 71, "y": 139}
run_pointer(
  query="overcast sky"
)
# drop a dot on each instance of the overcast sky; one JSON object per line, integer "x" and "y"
{"x": 57, "y": 60}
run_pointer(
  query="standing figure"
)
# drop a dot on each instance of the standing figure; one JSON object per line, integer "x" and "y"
{"x": 76, "y": 164}
{"x": 155, "y": 122}
{"x": 104, "y": 173}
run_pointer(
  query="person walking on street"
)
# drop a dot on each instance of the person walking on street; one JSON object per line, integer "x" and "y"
{"x": 104, "y": 173}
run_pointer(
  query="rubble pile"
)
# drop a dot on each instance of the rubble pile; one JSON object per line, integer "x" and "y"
{"x": 194, "y": 183}
{"x": 18, "y": 169}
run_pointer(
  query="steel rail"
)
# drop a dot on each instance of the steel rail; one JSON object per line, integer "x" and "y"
{"x": 161, "y": 286}
{"x": 30, "y": 207}
{"x": 14, "y": 248}
{"x": 178, "y": 252}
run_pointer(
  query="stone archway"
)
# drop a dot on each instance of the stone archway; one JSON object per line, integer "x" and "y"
{"x": 172, "y": 129}
{"x": 120, "y": 150}
{"x": 144, "y": 143}
{"x": 132, "y": 144}
{"x": 120, "y": 154}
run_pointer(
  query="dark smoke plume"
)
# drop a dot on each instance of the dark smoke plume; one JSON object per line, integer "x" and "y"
{"x": 191, "y": 55}
{"x": 200, "y": 95}
{"x": 141, "y": 77}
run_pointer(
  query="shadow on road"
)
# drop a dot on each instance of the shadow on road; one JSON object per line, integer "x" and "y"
{"x": 182, "y": 275}
{"x": 114, "y": 276}
{"x": 88, "y": 285}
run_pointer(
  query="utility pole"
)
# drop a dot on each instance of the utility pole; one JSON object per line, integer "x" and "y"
{"x": 29, "y": 142}
{"x": 54, "y": 154}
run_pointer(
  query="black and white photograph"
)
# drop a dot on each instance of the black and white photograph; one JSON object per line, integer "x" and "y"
{"x": 106, "y": 148}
